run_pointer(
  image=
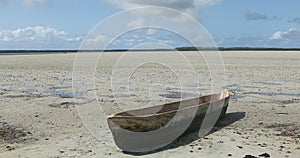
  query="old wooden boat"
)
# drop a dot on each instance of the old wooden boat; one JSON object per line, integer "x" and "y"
{"x": 154, "y": 127}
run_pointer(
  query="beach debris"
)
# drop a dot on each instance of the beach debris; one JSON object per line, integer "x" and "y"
{"x": 9, "y": 148}
{"x": 286, "y": 134}
{"x": 205, "y": 137}
{"x": 240, "y": 147}
{"x": 192, "y": 145}
{"x": 292, "y": 101}
{"x": 281, "y": 113}
{"x": 62, "y": 105}
{"x": 12, "y": 134}
{"x": 286, "y": 130}
{"x": 250, "y": 156}
{"x": 262, "y": 145}
{"x": 266, "y": 155}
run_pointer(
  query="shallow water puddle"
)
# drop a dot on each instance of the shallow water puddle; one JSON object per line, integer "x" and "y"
{"x": 237, "y": 86}
{"x": 275, "y": 94}
{"x": 237, "y": 97}
{"x": 176, "y": 94}
{"x": 27, "y": 84}
{"x": 270, "y": 83}
{"x": 57, "y": 91}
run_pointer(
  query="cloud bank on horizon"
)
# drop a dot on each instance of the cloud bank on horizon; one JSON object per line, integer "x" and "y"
{"x": 37, "y": 37}
{"x": 45, "y": 24}
{"x": 189, "y": 7}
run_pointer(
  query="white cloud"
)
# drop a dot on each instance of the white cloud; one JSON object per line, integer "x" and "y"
{"x": 148, "y": 36}
{"x": 289, "y": 38}
{"x": 277, "y": 35}
{"x": 187, "y": 6}
{"x": 97, "y": 39}
{"x": 207, "y": 2}
{"x": 151, "y": 16}
{"x": 36, "y": 37}
{"x": 291, "y": 35}
{"x": 175, "y": 4}
{"x": 35, "y": 33}
{"x": 136, "y": 23}
{"x": 285, "y": 39}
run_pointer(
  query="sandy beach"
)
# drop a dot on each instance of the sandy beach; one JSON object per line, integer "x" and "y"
{"x": 38, "y": 116}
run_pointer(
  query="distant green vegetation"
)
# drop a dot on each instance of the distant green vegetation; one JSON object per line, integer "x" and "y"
{"x": 35, "y": 51}
{"x": 124, "y": 50}
{"x": 237, "y": 49}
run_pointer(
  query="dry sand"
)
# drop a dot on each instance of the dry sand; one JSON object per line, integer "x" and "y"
{"x": 38, "y": 116}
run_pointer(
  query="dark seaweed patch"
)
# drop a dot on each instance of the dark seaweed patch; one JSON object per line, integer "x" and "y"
{"x": 13, "y": 134}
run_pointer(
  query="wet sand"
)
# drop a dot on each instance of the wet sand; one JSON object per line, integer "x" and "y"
{"x": 38, "y": 116}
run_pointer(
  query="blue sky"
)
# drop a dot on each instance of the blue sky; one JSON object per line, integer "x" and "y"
{"x": 63, "y": 24}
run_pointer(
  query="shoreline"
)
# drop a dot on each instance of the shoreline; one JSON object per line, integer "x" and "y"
{"x": 181, "y": 49}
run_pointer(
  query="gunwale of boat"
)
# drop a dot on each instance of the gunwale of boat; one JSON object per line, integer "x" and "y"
{"x": 212, "y": 98}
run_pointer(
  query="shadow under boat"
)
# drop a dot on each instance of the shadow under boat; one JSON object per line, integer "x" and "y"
{"x": 186, "y": 139}
{"x": 150, "y": 130}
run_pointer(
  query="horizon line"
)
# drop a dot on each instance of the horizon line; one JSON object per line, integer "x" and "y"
{"x": 177, "y": 49}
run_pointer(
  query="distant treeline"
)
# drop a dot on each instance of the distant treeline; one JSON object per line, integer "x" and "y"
{"x": 36, "y": 51}
{"x": 237, "y": 49}
{"x": 124, "y": 50}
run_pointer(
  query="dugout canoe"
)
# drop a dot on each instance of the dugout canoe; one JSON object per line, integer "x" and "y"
{"x": 149, "y": 128}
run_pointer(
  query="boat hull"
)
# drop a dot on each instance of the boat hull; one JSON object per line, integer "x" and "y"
{"x": 147, "y": 131}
